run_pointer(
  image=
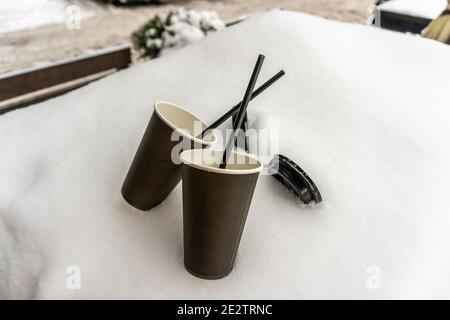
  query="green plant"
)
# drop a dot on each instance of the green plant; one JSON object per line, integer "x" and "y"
{"x": 174, "y": 29}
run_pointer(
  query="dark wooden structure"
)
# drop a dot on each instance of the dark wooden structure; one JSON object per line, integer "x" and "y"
{"x": 25, "y": 87}
{"x": 22, "y": 88}
{"x": 401, "y": 22}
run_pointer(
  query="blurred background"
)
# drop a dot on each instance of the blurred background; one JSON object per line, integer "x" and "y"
{"x": 60, "y": 45}
{"x": 36, "y": 31}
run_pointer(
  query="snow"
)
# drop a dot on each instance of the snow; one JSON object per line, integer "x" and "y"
{"x": 429, "y": 9}
{"x": 16, "y": 15}
{"x": 186, "y": 28}
{"x": 364, "y": 111}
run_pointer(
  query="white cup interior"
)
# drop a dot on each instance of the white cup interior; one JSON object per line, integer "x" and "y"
{"x": 209, "y": 160}
{"x": 182, "y": 121}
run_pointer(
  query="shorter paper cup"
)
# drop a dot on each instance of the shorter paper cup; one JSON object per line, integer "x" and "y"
{"x": 153, "y": 173}
{"x": 215, "y": 207}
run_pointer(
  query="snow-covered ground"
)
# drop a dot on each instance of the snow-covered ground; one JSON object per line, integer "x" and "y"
{"x": 364, "y": 111}
{"x": 429, "y": 9}
{"x": 22, "y": 14}
{"x": 112, "y": 25}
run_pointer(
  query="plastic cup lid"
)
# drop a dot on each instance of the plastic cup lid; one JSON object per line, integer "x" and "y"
{"x": 295, "y": 179}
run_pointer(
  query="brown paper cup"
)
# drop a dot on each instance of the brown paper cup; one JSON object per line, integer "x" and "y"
{"x": 153, "y": 173}
{"x": 215, "y": 206}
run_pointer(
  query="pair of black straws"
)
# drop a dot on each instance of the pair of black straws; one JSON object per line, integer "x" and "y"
{"x": 240, "y": 109}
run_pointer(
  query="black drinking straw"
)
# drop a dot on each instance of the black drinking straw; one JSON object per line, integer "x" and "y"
{"x": 242, "y": 110}
{"x": 233, "y": 111}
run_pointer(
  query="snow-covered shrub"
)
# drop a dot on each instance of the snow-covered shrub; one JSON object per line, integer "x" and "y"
{"x": 174, "y": 29}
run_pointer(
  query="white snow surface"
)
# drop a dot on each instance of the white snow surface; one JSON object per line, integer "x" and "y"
{"x": 364, "y": 111}
{"x": 23, "y": 14}
{"x": 429, "y": 9}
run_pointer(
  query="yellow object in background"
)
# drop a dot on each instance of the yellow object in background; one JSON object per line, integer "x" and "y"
{"x": 439, "y": 28}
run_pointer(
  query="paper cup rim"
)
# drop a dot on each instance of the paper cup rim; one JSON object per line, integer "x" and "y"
{"x": 205, "y": 167}
{"x": 181, "y": 132}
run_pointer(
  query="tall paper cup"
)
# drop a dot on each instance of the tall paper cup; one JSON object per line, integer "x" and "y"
{"x": 215, "y": 207}
{"x": 153, "y": 173}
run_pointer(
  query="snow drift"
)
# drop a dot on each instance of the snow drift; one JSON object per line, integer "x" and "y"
{"x": 362, "y": 110}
